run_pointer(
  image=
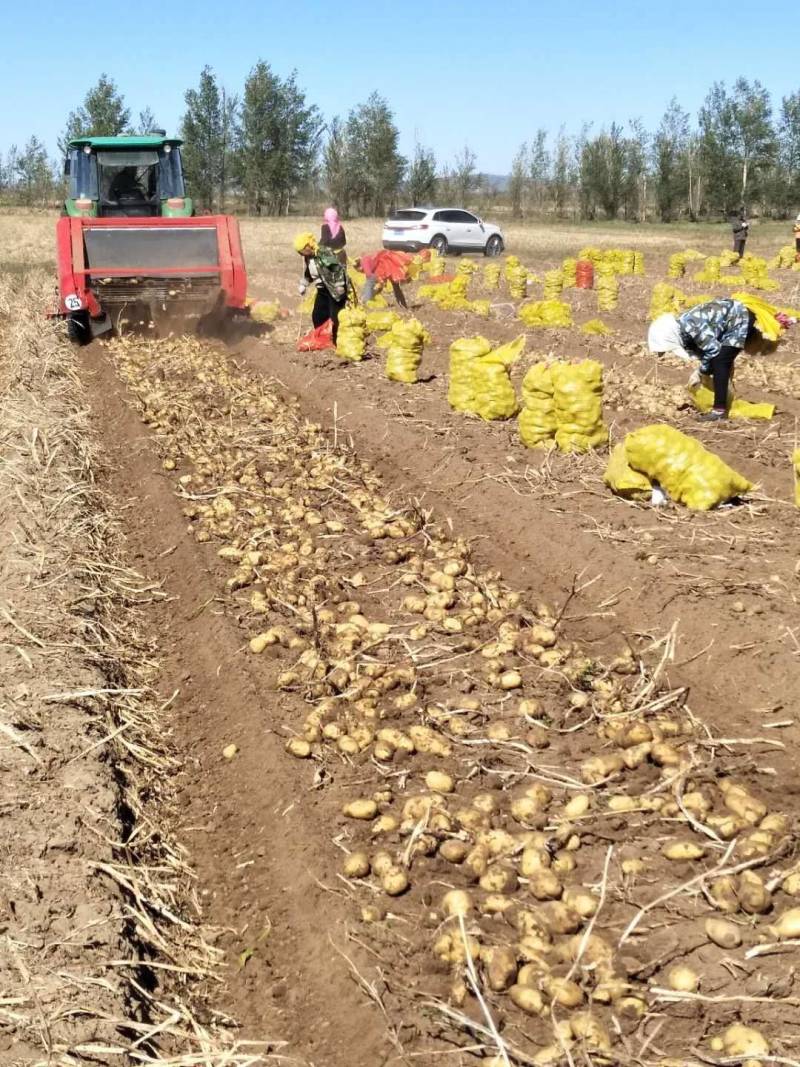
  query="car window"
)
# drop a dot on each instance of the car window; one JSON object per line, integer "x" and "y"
{"x": 462, "y": 216}
{"x": 406, "y": 215}
{"x": 443, "y": 216}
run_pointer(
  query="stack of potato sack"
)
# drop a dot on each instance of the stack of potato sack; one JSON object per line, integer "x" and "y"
{"x": 667, "y": 299}
{"x": 563, "y": 405}
{"x": 517, "y": 278}
{"x": 466, "y": 268}
{"x": 679, "y": 464}
{"x": 491, "y": 275}
{"x": 552, "y": 313}
{"x": 351, "y": 342}
{"x": 537, "y": 421}
{"x": 480, "y": 381}
{"x": 569, "y": 270}
{"x": 754, "y": 272}
{"x": 463, "y": 353}
{"x": 607, "y": 287}
{"x": 404, "y": 344}
{"x": 381, "y": 319}
{"x": 493, "y": 393}
{"x": 553, "y": 284}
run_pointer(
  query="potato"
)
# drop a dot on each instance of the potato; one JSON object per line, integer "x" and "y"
{"x": 450, "y": 948}
{"x": 665, "y": 755}
{"x": 453, "y": 850}
{"x": 543, "y": 884}
{"x": 683, "y": 850}
{"x": 526, "y": 809}
{"x": 582, "y": 901}
{"x": 527, "y": 999}
{"x": 360, "y": 809}
{"x": 632, "y": 866}
{"x": 500, "y": 967}
{"x": 394, "y": 881}
{"x": 550, "y": 1054}
{"x": 356, "y": 865}
{"x": 384, "y": 824}
{"x": 563, "y": 991}
{"x": 787, "y": 925}
{"x": 598, "y": 768}
{"x": 439, "y": 782}
{"x": 791, "y": 884}
{"x": 372, "y": 913}
{"x": 754, "y": 896}
{"x": 577, "y": 806}
{"x": 623, "y": 803}
{"x": 532, "y": 861}
{"x": 683, "y": 979}
{"x": 563, "y": 863}
{"x": 380, "y": 863}
{"x": 498, "y": 842}
{"x": 737, "y": 800}
{"x": 560, "y": 919}
{"x": 510, "y": 680}
{"x": 740, "y": 1040}
{"x": 723, "y": 933}
{"x": 636, "y": 733}
{"x": 499, "y": 879}
{"x": 588, "y": 1029}
{"x": 456, "y": 902}
{"x": 723, "y": 893}
{"x": 496, "y": 904}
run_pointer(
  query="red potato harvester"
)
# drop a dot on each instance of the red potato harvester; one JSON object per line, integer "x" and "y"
{"x": 129, "y": 245}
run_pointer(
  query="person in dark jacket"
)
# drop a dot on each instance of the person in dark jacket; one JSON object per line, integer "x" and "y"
{"x": 741, "y": 228}
{"x": 714, "y": 333}
{"x": 327, "y": 304}
{"x": 332, "y": 234}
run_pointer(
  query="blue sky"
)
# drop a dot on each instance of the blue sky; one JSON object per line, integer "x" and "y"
{"x": 455, "y": 71}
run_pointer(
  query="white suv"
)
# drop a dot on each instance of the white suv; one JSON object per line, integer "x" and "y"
{"x": 446, "y": 229}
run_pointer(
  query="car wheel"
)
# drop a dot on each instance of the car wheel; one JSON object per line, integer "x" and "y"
{"x": 439, "y": 244}
{"x": 494, "y": 246}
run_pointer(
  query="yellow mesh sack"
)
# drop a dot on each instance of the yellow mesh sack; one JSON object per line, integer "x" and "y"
{"x": 688, "y": 472}
{"x": 784, "y": 258}
{"x": 607, "y": 289}
{"x": 551, "y": 313}
{"x": 553, "y": 284}
{"x": 754, "y": 272}
{"x": 796, "y": 465}
{"x": 622, "y": 479}
{"x": 638, "y": 263}
{"x": 596, "y": 326}
{"x": 381, "y": 319}
{"x": 666, "y": 299}
{"x": 264, "y": 312}
{"x": 766, "y": 323}
{"x": 569, "y": 272}
{"x": 511, "y": 264}
{"x": 480, "y": 307}
{"x": 728, "y": 257}
{"x": 578, "y": 393}
{"x": 491, "y": 275}
{"x": 494, "y": 394}
{"x": 517, "y": 279}
{"x": 351, "y": 339}
{"x": 703, "y": 399}
{"x": 537, "y": 420}
{"x": 463, "y": 353}
{"x": 406, "y": 340}
{"x": 710, "y": 271}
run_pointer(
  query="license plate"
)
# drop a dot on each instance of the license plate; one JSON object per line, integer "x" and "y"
{"x": 398, "y": 233}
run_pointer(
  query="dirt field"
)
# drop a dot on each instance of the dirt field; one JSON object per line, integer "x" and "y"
{"x": 534, "y": 687}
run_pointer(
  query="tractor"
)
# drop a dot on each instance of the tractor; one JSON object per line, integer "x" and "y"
{"x": 130, "y": 247}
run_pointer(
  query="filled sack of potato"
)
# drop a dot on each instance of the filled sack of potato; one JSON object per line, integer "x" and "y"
{"x": 460, "y": 388}
{"x": 537, "y": 420}
{"x": 683, "y": 467}
{"x": 578, "y": 393}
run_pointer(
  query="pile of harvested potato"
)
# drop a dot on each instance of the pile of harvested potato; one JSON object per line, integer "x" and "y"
{"x": 555, "y": 824}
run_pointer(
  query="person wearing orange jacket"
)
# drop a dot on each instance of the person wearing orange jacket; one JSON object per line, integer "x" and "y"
{"x": 382, "y": 267}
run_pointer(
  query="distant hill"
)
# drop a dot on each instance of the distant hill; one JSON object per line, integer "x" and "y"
{"x": 498, "y": 182}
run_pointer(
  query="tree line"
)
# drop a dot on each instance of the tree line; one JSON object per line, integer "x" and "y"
{"x": 268, "y": 150}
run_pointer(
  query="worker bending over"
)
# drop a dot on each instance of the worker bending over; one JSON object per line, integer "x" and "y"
{"x": 714, "y": 333}
{"x": 382, "y": 267}
{"x": 322, "y": 269}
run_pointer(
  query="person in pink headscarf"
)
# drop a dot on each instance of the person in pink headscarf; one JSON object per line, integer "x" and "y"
{"x": 332, "y": 234}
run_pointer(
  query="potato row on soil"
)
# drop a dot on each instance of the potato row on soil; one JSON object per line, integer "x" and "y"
{"x": 439, "y": 817}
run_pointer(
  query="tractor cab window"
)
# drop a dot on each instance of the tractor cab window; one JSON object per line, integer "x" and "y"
{"x": 128, "y": 178}
{"x": 171, "y": 180}
{"x": 82, "y": 175}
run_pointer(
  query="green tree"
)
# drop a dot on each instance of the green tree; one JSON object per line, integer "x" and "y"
{"x": 465, "y": 176}
{"x": 754, "y": 142}
{"x": 539, "y": 166}
{"x": 561, "y": 173}
{"x": 147, "y": 122}
{"x": 421, "y": 178}
{"x": 207, "y": 130}
{"x": 279, "y": 139}
{"x": 669, "y": 155}
{"x": 718, "y": 162}
{"x": 518, "y": 182}
{"x": 102, "y": 114}
{"x": 374, "y": 164}
{"x": 637, "y": 173}
{"x": 786, "y": 194}
{"x": 335, "y": 166}
{"x": 33, "y": 174}
{"x": 604, "y": 172}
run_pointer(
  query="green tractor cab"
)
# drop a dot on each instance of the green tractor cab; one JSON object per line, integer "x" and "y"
{"x": 126, "y": 177}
